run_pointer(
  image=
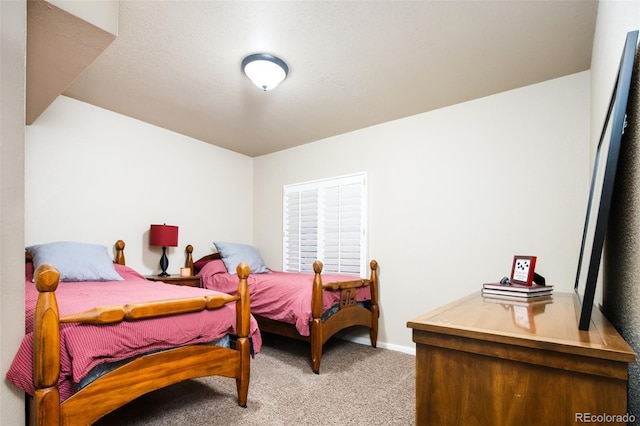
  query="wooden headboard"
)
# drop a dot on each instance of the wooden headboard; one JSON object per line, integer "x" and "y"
{"x": 189, "y": 262}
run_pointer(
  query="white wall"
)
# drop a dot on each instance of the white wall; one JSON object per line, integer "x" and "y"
{"x": 101, "y": 13}
{"x": 13, "y": 20}
{"x": 454, "y": 194}
{"x": 96, "y": 176}
{"x": 615, "y": 19}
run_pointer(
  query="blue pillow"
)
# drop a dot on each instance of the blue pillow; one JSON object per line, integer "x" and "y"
{"x": 76, "y": 261}
{"x": 232, "y": 254}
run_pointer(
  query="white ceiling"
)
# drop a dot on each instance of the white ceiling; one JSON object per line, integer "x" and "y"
{"x": 353, "y": 64}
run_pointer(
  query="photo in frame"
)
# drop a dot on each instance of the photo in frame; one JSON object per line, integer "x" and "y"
{"x": 522, "y": 270}
{"x": 602, "y": 181}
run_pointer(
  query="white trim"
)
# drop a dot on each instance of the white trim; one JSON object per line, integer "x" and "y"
{"x": 410, "y": 350}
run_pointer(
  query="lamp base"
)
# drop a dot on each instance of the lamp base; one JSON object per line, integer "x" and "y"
{"x": 164, "y": 263}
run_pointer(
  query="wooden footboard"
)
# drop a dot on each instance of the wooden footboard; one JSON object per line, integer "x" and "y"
{"x": 145, "y": 373}
{"x": 349, "y": 314}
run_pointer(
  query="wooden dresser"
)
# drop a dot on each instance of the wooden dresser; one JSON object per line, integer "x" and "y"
{"x": 485, "y": 361}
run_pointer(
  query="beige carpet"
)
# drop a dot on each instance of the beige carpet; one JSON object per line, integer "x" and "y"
{"x": 357, "y": 385}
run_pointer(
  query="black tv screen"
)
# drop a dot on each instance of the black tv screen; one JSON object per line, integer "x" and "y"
{"x": 602, "y": 181}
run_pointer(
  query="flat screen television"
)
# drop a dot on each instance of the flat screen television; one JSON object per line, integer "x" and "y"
{"x": 602, "y": 180}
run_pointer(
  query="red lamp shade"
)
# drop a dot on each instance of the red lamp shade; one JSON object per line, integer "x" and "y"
{"x": 163, "y": 235}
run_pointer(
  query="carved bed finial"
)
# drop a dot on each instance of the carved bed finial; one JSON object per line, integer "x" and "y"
{"x": 120, "y": 252}
{"x": 189, "y": 261}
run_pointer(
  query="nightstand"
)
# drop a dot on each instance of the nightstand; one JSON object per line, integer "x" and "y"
{"x": 176, "y": 280}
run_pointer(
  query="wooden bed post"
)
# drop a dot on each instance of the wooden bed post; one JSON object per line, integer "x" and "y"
{"x": 45, "y": 405}
{"x": 316, "y": 318}
{"x": 375, "y": 310}
{"x": 243, "y": 327}
{"x": 188, "y": 263}
{"x": 120, "y": 252}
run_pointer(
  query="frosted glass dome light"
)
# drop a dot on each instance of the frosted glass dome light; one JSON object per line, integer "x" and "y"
{"x": 265, "y": 71}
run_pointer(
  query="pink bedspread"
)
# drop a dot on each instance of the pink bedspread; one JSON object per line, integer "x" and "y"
{"x": 281, "y": 296}
{"x": 84, "y": 346}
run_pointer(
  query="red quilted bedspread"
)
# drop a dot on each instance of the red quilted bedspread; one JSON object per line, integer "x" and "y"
{"x": 84, "y": 346}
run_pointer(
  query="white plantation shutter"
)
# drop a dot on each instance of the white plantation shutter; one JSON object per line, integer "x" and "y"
{"x": 326, "y": 220}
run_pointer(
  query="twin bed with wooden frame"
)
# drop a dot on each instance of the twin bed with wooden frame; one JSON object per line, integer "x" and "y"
{"x": 332, "y": 303}
{"x": 340, "y": 303}
{"x": 143, "y": 373}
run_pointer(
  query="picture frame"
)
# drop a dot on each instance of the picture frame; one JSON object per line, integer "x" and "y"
{"x": 602, "y": 184}
{"x": 522, "y": 270}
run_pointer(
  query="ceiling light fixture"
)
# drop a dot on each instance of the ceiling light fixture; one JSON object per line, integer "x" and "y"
{"x": 266, "y": 71}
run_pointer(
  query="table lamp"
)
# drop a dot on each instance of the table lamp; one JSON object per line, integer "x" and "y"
{"x": 165, "y": 236}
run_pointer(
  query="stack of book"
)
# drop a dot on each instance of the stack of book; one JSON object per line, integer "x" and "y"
{"x": 517, "y": 291}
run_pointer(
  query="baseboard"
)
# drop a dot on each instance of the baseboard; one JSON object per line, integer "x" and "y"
{"x": 366, "y": 341}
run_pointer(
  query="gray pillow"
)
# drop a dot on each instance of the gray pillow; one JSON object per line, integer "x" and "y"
{"x": 233, "y": 253}
{"x": 76, "y": 261}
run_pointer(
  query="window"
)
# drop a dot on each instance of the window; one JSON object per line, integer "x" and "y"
{"x": 326, "y": 220}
